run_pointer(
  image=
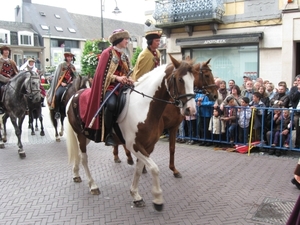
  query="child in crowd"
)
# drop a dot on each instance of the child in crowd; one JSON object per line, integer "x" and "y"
{"x": 216, "y": 126}
{"x": 230, "y": 116}
{"x": 282, "y": 128}
{"x": 244, "y": 116}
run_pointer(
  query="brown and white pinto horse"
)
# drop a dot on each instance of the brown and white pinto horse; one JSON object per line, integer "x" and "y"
{"x": 139, "y": 123}
{"x": 171, "y": 117}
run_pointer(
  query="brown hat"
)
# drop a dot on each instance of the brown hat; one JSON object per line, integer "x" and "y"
{"x": 4, "y": 47}
{"x": 118, "y": 34}
{"x": 153, "y": 35}
{"x": 66, "y": 54}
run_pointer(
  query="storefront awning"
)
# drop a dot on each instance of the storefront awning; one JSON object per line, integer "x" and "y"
{"x": 220, "y": 40}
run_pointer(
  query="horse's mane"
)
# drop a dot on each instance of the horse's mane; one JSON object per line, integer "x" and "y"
{"x": 149, "y": 74}
{"x": 21, "y": 76}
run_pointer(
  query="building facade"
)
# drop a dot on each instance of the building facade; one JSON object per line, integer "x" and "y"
{"x": 46, "y": 32}
{"x": 255, "y": 38}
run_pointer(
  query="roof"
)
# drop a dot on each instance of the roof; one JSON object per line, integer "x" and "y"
{"x": 86, "y": 27}
{"x": 32, "y": 14}
{"x": 17, "y": 26}
{"x": 90, "y": 26}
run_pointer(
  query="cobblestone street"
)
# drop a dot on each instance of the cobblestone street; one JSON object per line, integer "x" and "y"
{"x": 217, "y": 187}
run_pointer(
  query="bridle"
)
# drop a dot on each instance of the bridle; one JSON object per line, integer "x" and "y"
{"x": 174, "y": 95}
{"x": 32, "y": 92}
{"x": 201, "y": 75}
{"x": 177, "y": 102}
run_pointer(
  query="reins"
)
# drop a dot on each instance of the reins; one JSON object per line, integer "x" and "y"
{"x": 32, "y": 91}
{"x": 177, "y": 102}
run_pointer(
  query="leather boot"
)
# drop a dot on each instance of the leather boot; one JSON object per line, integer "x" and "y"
{"x": 108, "y": 120}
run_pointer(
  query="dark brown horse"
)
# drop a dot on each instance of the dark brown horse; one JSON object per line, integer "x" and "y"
{"x": 171, "y": 117}
{"x": 80, "y": 82}
{"x": 139, "y": 123}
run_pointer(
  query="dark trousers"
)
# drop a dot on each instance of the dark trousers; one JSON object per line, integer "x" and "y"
{"x": 243, "y": 134}
{"x": 109, "y": 112}
{"x": 58, "y": 95}
{"x": 297, "y": 126}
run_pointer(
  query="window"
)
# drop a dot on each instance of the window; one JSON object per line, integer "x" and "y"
{"x": 25, "y": 38}
{"x": 42, "y": 14}
{"x": 44, "y": 27}
{"x": 59, "y": 29}
{"x": 4, "y": 36}
{"x": 57, "y": 16}
{"x": 72, "y": 30}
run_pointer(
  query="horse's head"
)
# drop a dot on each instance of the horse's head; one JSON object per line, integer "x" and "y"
{"x": 204, "y": 80}
{"x": 180, "y": 84}
{"x": 32, "y": 86}
{"x": 81, "y": 82}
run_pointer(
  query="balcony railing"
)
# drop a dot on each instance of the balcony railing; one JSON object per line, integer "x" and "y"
{"x": 188, "y": 11}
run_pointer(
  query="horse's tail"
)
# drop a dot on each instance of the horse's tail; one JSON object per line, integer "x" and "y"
{"x": 71, "y": 139}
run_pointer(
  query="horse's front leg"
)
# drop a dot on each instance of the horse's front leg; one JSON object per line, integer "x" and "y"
{"x": 31, "y": 123}
{"x": 1, "y": 125}
{"x": 4, "y": 136}
{"x": 156, "y": 189}
{"x": 116, "y": 154}
{"x": 172, "y": 142}
{"x": 42, "y": 133}
{"x": 129, "y": 157}
{"x": 18, "y": 132}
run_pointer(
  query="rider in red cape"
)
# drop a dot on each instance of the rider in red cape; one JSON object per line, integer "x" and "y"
{"x": 113, "y": 66}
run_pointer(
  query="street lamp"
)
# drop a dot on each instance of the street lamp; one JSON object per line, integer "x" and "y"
{"x": 116, "y": 11}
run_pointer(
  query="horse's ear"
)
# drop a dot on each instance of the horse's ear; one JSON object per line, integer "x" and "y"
{"x": 208, "y": 61}
{"x": 174, "y": 61}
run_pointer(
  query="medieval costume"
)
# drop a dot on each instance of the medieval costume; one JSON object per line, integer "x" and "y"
{"x": 63, "y": 77}
{"x": 8, "y": 69}
{"x": 29, "y": 65}
{"x": 149, "y": 58}
{"x": 113, "y": 66}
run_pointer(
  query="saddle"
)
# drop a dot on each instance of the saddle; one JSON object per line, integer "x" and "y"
{"x": 79, "y": 106}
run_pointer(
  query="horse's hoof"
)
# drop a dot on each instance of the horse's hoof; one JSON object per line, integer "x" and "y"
{"x": 29, "y": 127}
{"x": 2, "y": 145}
{"x": 177, "y": 175}
{"x": 158, "y": 207}
{"x": 42, "y": 133}
{"x": 144, "y": 170}
{"x": 77, "y": 179}
{"x": 130, "y": 162}
{"x": 4, "y": 140}
{"x": 32, "y": 133}
{"x": 95, "y": 191}
{"x": 139, "y": 203}
{"x": 117, "y": 160}
{"x": 22, "y": 154}
{"x": 57, "y": 140}
{"x": 61, "y": 134}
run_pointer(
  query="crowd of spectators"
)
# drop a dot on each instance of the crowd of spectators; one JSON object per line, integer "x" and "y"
{"x": 227, "y": 120}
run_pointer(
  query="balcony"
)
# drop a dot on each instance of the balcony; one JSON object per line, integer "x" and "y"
{"x": 188, "y": 13}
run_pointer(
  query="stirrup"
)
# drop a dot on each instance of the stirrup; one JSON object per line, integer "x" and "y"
{"x": 110, "y": 141}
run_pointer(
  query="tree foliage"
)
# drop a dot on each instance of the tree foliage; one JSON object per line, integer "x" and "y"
{"x": 90, "y": 56}
{"x": 136, "y": 55}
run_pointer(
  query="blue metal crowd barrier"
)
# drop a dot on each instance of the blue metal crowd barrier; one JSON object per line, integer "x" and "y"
{"x": 201, "y": 134}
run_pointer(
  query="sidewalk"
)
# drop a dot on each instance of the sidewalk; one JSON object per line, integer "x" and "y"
{"x": 217, "y": 187}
